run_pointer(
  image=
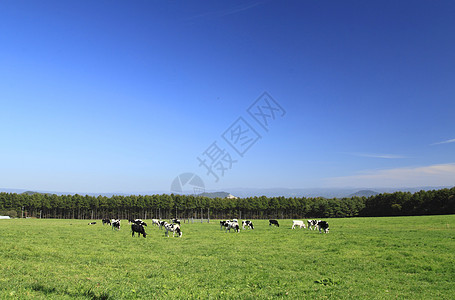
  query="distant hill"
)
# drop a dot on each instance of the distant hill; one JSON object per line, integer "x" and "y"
{"x": 217, "y": 195}
{"x": 364, "y": 193}
{"x": 33, "y": 192}
{"x": 30, "y": 193}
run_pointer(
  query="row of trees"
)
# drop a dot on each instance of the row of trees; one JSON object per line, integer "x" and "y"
{"x": 184, "y": 206}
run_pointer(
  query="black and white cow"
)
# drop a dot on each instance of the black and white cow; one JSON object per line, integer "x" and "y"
{"x": 106, "y": 221}
{"x": 115, "y": 224}
{"x": 175, "y": 228}
{"x": 162, "y": 224}
{"x": 139, "y": 229}
{"x": 233, "y": 225}
{"x": 155, "y": 222}
{"x": 274, "y": 222}
{"x": 224, "y": 224}
{"x": 323, "y": 225}
{"x": 175, "y": 221}
{"x": 297, "y": 223}
{"x": 92, "y": 223}
{"x": 312, "y": 224}
{"x": 248, "y": 224}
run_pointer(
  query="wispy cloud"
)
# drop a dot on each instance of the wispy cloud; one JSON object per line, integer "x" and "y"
{"x": 376, "y": 155}
{"x": 444, "y": 142}
{"x": 433, "y": 175}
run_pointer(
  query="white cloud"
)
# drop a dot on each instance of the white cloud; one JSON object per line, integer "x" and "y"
{"x": 375, "y": 155}
{"x": 444, "y": 142}
{"x": 434, "y": 175}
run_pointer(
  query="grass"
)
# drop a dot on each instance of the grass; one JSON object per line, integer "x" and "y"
{"x": 368, "y": 258}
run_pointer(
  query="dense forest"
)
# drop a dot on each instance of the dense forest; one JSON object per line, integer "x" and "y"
{"x": 187, "y": 206}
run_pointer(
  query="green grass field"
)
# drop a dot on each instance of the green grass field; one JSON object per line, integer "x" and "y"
{"x": 366, "y": 258}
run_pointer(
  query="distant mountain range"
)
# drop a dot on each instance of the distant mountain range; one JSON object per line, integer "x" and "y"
{"x": 251, "y": 192}
{"x": 215, "y": 195}
{"x": 364, "y": 193}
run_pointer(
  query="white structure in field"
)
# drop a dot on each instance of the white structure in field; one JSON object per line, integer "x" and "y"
{"x": 5, "y": 217}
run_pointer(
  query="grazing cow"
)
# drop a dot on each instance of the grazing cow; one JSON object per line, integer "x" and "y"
{"x": 175, "y": 228}
{"x": 139, "y": 222}
{"x": 162, "y": 224}
{"x": 92, "y": 223}
{"x": 233, "y": 225}
{"x": 274, "y": 222}
{"x": 248, "y": 224}
{"x": 155, "y": 222}
{"x": 324, "y": 226}
{"x": 297, "y": 223}
{"x": 312, "y": 224}
{"x": 106, "y": 221}
{"x": 175, "y": 221}
{"x": 139, "y": 229}
{"x": 224, "y": 224}
{"x": 115, "y": 224}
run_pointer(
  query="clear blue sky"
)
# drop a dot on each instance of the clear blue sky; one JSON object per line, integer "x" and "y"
{"x": 123, "y": 96}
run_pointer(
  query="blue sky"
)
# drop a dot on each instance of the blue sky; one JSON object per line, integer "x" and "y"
{"x": 117, "y": 96}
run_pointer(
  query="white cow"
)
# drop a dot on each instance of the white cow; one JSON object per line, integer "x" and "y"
{"x": 298, "y": 223}
{"x": 156, "y": 222}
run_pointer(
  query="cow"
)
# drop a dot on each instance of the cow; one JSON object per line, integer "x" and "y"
{"x": 162, "y": 224}
{"x": 297, "y": 223}
{"x": 233, "y": 225}
{"x": 139, "y": 229}
{"x": 224, "y": 224}
{"x": 248, "y": 224}
{"x": 139, "y": 222}
{"x": 156, "y": 222}
{"x": 274, "y": 222}
{"x": 175, "y": 228}
{"x": 312, "y": 224}
{"x": 115, "y": 224}
{"x": 92, "y": 223}
{"x": 106, "y": 221}
{"x": 175, "y": 221}
{"x": 324, "y": 226}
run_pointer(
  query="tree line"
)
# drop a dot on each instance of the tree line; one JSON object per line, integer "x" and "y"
{"x": 188, "y": 206}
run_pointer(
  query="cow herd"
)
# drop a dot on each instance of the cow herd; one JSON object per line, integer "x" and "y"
{"x": 322, "y": 226}
{"x": 137, "y": 225}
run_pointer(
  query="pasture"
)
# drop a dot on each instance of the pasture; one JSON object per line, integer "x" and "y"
{"x": 367, "y": 258}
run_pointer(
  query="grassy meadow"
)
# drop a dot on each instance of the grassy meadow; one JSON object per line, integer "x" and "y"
{"x": 366, "y": 258}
